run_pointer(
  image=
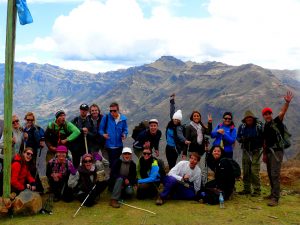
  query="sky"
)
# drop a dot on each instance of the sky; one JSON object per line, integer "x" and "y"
{"x": 105, "y": 35}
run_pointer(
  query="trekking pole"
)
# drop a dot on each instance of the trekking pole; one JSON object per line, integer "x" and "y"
{"x": 84, "y": 201}
{"x": 275, "y": 156}
{"x": 134, "y": 207}
{"x": 85, "y": 144}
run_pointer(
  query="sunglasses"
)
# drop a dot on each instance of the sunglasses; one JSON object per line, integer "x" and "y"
{"x": 29, "y": 120}
{"x": 87, "y": 161}
{"x": 227, "y": 118}
{"x": 147, "y": 153}
{"x": 28, "y": 153}
{"x": 113, "y": 110}
{"x": 15, "y": 121}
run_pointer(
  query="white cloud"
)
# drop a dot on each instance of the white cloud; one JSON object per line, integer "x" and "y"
{"x": 116, "y": 32}
{"x": 47, "y": 1}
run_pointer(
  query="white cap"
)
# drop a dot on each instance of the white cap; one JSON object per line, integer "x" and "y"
{"x": 153, "y": 121}
{"x": 127, "y": 150}
{"x": 177, "y": 115}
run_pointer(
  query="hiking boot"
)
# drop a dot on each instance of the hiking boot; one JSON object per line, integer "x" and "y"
{"x": 114, "y": 203}
{"x": 269, "y": 197}
{"x": 244, "y": 192}
{"x": 159, "y": 201}
{"x": 273, "y": 202}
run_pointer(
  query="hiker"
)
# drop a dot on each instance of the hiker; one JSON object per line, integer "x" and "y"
{"x": 148, "y": 176}
{"x": 274, "y": 146}
{"x": 60, "y": 132}
{"x": 225, "y": 135}
{"x": 250, "y": 136}
{"x": 87, "y": 176}
{"x": 183, "y": 181}
{"x": 114, "y": 129}
{"x": 35, "y": 133}
{"x": 59, "y": 169}
{"x": 96, "y": 142}
{"x": 20, "y": 172}
{"x": 18, "y": 137}
{"x": 174, "y": 135}
{"x": 122, "y": 178}
{"x": 148, "y": 138}
{"x": 80, "y": 145}
{"x": 224, "y": 179}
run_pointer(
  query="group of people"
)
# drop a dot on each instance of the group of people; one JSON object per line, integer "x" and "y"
{"x": 79, "y": 159}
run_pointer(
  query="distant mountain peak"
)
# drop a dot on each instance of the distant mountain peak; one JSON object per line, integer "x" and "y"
{"x": 167, "y": 62}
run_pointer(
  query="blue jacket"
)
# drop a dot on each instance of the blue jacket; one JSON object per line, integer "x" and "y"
{"x": 228, "y": 138}
{"x": 153, "y": 174}
{"x": 114, "y": 131}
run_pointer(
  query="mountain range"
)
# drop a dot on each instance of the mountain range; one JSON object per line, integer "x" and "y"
{"x": 143, "y": 91}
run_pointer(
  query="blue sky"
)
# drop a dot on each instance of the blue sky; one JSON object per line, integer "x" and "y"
{"x": 102, "y": 35}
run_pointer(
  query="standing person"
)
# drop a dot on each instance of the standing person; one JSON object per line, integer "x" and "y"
{"x": 148, "y": 176}
{"x": 35, "y": 133}
{"x": 83, "y": 123}
{"x": 20, "y": 172}
{"x": 97, "y": 142}
{"x": 274, "y": 147}
{"x": 88, "y": 176}
{"x": 174, "y": 134}
{"x": 225, "y": 135}
{"x": 195, "y": 132}
{"x": 18, "y": 137}
{"x": 148, "y": 138}
{"x": 224, "y": 180}
{"x": 250, "y": 137}
{"x": 60, "y": 132}
{"x": 114, "y": 129}
{"x": 122, "y": 177}
{"x": 183, "y": 181}
{"x": 59, "y": 169}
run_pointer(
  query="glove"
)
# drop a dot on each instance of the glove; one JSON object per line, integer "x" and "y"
{"x": 100, "y": 176}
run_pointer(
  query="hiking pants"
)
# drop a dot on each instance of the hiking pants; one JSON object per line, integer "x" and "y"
{"x": 119, "y": 189}
{"x": 172, "y": 155}
{"x": 147, "y": 190}
{"x": 273, "y": 168}
{"x": 113, "y": 154}
{"x": 251, "y": 171}
{"x": 177, "y": 190}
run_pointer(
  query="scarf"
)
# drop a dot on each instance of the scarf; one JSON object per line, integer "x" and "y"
{"x": 145, "y": 166}
{"x": 198, "y": 128}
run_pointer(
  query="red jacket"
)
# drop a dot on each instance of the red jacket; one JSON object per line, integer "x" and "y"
{"x": 20, "y": 174}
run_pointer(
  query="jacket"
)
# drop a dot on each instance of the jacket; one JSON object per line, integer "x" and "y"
{"x": 153, "y": 173}
{"x": 191, "y": 135}
{"x": 114, "y": 131}
{"x": 228, "y": 138}
{"x": 145, "y": 136}
{"x": 115, "y": 172}
{"x": 20, "y": 174}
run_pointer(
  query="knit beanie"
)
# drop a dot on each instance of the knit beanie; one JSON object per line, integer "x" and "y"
{"x": 177, "y": 115}
{"x": 61, "y": 148}
{"x": 59, "y": 112}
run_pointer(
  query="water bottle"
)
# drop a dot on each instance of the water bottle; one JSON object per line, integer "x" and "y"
{"x": 221, "y": 200}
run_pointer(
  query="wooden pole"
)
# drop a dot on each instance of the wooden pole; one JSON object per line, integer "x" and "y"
{"x": 8, "y": 92}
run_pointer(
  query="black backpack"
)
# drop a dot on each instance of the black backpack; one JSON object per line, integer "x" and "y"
{"x": 283, "y": 140}
{"x": 143, "y": 125}
{"x": 235, "y": 167}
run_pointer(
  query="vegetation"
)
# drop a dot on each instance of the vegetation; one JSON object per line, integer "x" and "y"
{"x": 241, "y": 210}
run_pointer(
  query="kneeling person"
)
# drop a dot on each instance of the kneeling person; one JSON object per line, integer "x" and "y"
{"x": 122, "y": 177}
{"x": 183, "y": 180}
{"x": 88, "y": 180}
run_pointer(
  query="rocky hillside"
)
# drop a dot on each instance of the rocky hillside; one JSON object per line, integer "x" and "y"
{"x": 211, "y": 87}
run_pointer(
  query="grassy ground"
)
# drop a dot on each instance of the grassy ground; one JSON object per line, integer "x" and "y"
{"x": 241, "y": 210}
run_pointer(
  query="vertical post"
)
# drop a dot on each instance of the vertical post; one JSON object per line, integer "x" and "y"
{"x": 8, "y": 92}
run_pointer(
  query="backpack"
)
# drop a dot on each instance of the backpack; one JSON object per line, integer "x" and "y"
{"x": 235, "y": 167}
{"x": 143, "y": 125}
{"x": 283, "y": 141}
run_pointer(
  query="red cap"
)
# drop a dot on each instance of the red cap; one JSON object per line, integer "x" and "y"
{"x": 265, "y": 110}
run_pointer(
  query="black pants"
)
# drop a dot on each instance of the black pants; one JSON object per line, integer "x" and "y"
{"x": 172, "y": 155}
{"x": 91, "y": 200}
{"x": 147, "y": 190}
{"x": 61, "y": 190}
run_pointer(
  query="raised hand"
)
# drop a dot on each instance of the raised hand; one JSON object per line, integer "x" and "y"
{"x": 288, "y": 97}
{"x": 209, "y": 117}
